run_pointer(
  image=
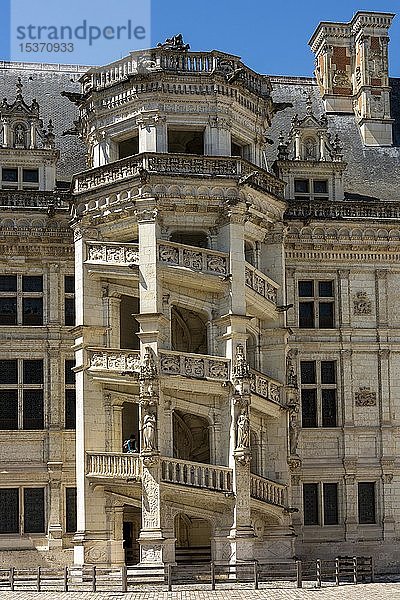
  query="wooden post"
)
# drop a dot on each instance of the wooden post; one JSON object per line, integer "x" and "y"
{"x": 318, "y": 569}
{"x": 337, "y": 574}
{"x": 169, "y": 577}
{"x": 65, "y": 579}
{"x": 255, "y": 574}
{"x": 38, "y": 579}
{"x": 124, "y": 576}
{"x": 212, "y": 567}
{"x": 94, "y": 578}
{"x": 299, "y": 574}
{"x": 355, "y": 569}
{"x": 12, "y": 578}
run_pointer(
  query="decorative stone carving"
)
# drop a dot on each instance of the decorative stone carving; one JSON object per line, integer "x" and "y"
{"x": 365, "y": 397}
{"x": 199, "y": 260}
{"x": 149, "y": 427}
{"x": 362, "y": 304}
{"x": 291, "y": 368}
{"x": 294, "y": 463}
{"x": 174, "y": 43}
{"x": 147, "y": 375}
{"x": 113, "y": 253}
{"x": 243, "y": 431}
{"x": 114, "y": 360}
{"x": 260, "y": 283}
{"x": 198, "y": 366}
{"x": 294, "y": 429}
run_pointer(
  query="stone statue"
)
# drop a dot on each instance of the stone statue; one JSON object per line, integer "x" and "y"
{"x": 174, "y": 43}
{"x": 149, "y": 432}
{"x": 243, "y": 431}
{"x": 294, "y": 431}
{"x": 19, "y": 133}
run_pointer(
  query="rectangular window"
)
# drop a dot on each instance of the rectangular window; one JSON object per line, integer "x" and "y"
{"x": 69, "y": 300}
{"x": 320, "y": 504}
{"x": 18, "y": 178}
{"x": 310, "y": 503}
{"x": 22, "y": 510}
{"x": 330, "y": 499}
{"x": 9, "y": 510}
{"x": 21, "y": 394}
{"x": 34, "y": 510}
{"x": 70, "y": 510}
{"x": 318, "y": 393}
{"x": 21, "y": 300}
{"x": 186, "y": 141}
{"x": 70, "y": 395}
{"x": 366, "y": 503}
{"x": 316, "y": 304}
{"x": 311, "y": 189}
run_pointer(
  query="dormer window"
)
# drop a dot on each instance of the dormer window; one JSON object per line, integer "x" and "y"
{"x": 311, "y": 189}
{"x": 17, "y": 178}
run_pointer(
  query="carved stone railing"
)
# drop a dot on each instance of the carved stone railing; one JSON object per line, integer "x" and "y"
{"x": 33, "y": 199}
{"x": 187, "y": 165}
{"x": 193, "y": 474}
{"x": 114, "y": 360}
{"x": 197, "y": 366}
{"x": 342, "y": 209}
{"x": 260, "y": 283}
{"x": 191, "y": 257}
{"x": 267, "y": 491}
{"x": 113, "y": 465}
{"x": 265, "y": 386}
{"x": 160, "y": 59}
{"x": 111, "y": 253}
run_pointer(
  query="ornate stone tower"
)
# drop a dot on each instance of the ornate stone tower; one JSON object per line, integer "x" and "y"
{"x": 180, "y": 336}
{"x": 352, "y": 72}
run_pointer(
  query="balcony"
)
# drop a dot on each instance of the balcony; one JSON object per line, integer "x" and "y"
{"x": 198, "y": 475}
{"x": 195, "y": 366}
{"x": 111, "y": 254}
{"x": 267, "y": 491}
{"x": 113, "y": 361}
{"x": 33, "y": 199}
{"x": 214, "y": 478}
{"x": 185, "y": 165}
{"x": 113, "y": 465}
{"x": 262, "y": 296}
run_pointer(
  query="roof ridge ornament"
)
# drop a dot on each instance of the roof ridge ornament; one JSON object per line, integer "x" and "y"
{"x": 175, "y": 43}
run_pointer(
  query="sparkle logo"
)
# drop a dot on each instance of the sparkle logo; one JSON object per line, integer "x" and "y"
{"x": 86, "y": 33}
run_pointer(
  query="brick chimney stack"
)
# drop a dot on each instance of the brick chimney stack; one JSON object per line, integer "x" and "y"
{"x": 353, "y": 74}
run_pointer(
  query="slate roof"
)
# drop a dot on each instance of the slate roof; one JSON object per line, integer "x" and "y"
{"x": 373, "y": 172}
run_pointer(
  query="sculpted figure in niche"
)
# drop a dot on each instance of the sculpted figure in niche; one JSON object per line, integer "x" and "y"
{"x": 19, "y": 136}
{"x": 293, "y": 431}
{"x": 310, "y": 149}
{"x": 243, "y": 431}
{"x": 149, "y": 432}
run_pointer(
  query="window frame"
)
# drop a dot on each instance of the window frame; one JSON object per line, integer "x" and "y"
{"x": 20, "y": 184}
{"x": 66, "y": 519}
{"x": 20, "y": 387}
{"x": 319, "y": 387}
{"x": 311, "y": 195}
{"x": 375, "y": 507}
{"x": 68, "y": 387}
{"x": 22, "y": 532}
{"x": 68, "y": 296}
{"x": 19, "y": 295}
{"x": 321, "y": 503}
{"x": 316, "y": 300}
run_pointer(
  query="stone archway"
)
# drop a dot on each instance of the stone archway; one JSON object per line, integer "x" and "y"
{"x": 193, "y": 539}
{"x": 188, "y": 331}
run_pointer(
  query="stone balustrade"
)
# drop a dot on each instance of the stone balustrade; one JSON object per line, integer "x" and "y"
{"x": 265, "y": 386}
{"x": 166, "y": 164}
{"x": 112, "y": 253}
{"x": 260, "y": 283}
{"x": 33, "y": 199}
{"x": 162, "y": 60}
{"x": 191, "y": 257}
{"x": 114, "y": 360}
{"x": 200, "y": 475}
{"x": 113, "y": 465}
{"x": 267, "y": 491}
{"x": 198, "y": 366}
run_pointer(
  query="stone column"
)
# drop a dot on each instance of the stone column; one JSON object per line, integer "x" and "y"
{"x": 55, "y": 529}
{"x": 6, "y": 133}
{"x": 116, "y": 519}
{"x": 152, "y": 132}
{"x": 217, "y": 137}
{"x": 113, "y": 308}
{"x": 54, "y": 306}
{"x": 388, "y": 499}
{"x": 117, "y": 427}
{"x": 350, "y": 500}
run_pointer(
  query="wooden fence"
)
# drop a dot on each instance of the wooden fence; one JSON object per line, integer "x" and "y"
{"x": 342, "y": 569}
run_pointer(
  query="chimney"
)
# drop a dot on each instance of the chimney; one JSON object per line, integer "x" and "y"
{"x": 353, "y": 74}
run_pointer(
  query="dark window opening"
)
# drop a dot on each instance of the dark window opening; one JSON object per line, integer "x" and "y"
{"x": 8, "y": 311}
{"x": 331, "y": 514}
{"x": 8, "y": 283}
{"x": 9, "y": 510}
{"x": 70, "y": 510}
{"x": 128, "y": 147}
{"x": 9, "y": 409}
{"x": 10, "y": 175}
{"x": 33, "y": 410}
{"x": 310, "y": 503}
{"x": 30, "y": 175}
{"x": 309, "y": 408}
{"x": 69, "y": 284}
{"x": 186, "y": 142}
{"x": 70, "y": 409}
{"x": 129, "y": 326}
{"x": 190, "y": 238}
{"x": 32, "y": 311}
{"x": 34, "y": 521}
{"x": 69, "y": 311}
{"x": 366, "y": 503}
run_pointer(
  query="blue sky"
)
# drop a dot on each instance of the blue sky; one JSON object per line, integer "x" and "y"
{"x": 270, "y": 36}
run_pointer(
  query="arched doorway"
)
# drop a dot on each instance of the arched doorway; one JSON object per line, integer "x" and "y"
{"x": 193, "y": 540}
{"x": 191, "y": 437}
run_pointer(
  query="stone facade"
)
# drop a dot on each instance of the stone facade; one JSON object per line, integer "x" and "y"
{"x": 236, "y": 334}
